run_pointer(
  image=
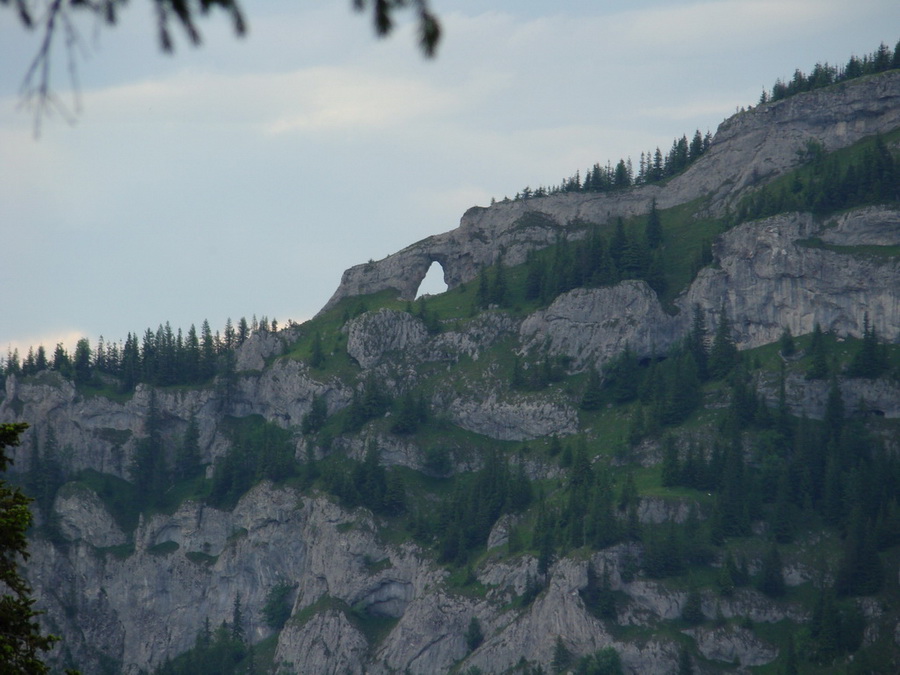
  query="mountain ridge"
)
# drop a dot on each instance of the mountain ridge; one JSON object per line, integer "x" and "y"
{"x": 429, "y": 407}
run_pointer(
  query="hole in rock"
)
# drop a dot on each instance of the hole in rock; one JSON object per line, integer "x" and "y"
{"x": 433, "y": 283}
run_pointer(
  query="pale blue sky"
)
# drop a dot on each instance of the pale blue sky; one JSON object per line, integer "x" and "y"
{"x": 243, "y": 177}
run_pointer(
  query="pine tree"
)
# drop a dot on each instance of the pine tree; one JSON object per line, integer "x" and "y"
{"x": 696, "y": 343}
{"x": 243, "y": 331}
{"x": 782, "y": 517}
{"x": 692, "y": 610}
{"x": 188, "y": 459}
{"x": 653, "y": 231}
{"x": 82, "y": 365}
{"x": 725, "y": 576}
{"x": 771, "y": 577}
{"x": 498, "y": 290}
{"x": 483, "y": 293}
{"x": 592, "y": 399}
{"x": 860, "y": 571}
{"x": 315, "y": 419}
{"x": 148, "y": 467}
{"x": 317, "y": 356}
{"x": 207, "y": 352}
{"x": 870, "y": 360}
{"x": 724, "y": 354}
{"x": 474, "y": 635}
{"x": 230, "y": 336}
{"x": 671, "y": 470}
{"x": 791, "y": 666}
{"x": 685, "y": 666}
{"x": 786, "y": 342}
{"x": 598, "y": 595}
{"x": 562, "y": 657}
{"x": 20, "y": 638}
{"x": 834, "y": 410}
{"x": 237, "y": 620}
{"x": 191, "y": 358}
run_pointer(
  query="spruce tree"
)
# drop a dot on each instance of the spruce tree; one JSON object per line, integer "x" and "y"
{"x": 21, "y": 639}
{"x": 592, "y": 399}
{"x": 692, "y": 610}
{"x": 696, "y": 343}
{"x": 562, "y": 657}
{"x": 771, "y": 578}
{"x": 671, "y": 470}
{"x": 653, "y": 230}
{"x": 723, "y": 354}
{"x": 82, "y": 367}
{"x": 188, "y": 459}
{"x": 237, "y": 620}
{"x": 474, "y": 635}
{"x": 870, "y": 360}
{"x": 685, "y": 666}
{"x": 315, "y": 419}
{"x": 317, "y": 355}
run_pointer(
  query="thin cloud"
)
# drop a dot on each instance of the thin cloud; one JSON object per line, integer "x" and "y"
{"x": 339, "y": 99}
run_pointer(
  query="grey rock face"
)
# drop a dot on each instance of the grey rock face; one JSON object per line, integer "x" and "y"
{"x": 138, "y": 605}
{"x": 252, "y": 354}
{"x": 879, "y": 397}
{"x": 283, "y": 393}
{"x": 751, "y": 148}
{"x": 83, "y": 517}
{"x": 327, "y": 641}
{"x": 512, "y": 417}
{"x": 593, "y": 325}
{"x": 375, "y": 335}
{"x": 769, "y": 278}
{"x": 733, "y": 645}
{"x": 873, "y": 226}
{"x": 101, "y": 434}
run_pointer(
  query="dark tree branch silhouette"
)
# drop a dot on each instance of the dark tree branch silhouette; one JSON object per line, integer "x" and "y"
{"x": 56, "y": 20}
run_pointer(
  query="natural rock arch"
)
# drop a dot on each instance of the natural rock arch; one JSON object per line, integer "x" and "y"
{"x": 434, "y": 281}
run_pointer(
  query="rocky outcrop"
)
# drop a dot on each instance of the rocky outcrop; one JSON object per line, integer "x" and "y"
{"x": 253, "y": 353}
{"x": 748, "y": 150}
{"x": 867, "y": 398}
{"x": 83, "y": 517}
{"x": 138, "y": 599}
{"x": 101, "y": 433}
{"x": 771, "y": 275}
{"x": 733, "y": 645}
{"x": 376, "y": 335}
{"x": 753, "y": 147}
{"x": 138, "y": 603}
{"x": 511, "y": 417}
{"x": 593, "y": 325}
{"x": 872, "y": 226}
{"x": 327, "y": 639}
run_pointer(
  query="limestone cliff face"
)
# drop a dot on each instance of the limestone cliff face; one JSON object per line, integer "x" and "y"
{"x": 773, "y": 274}
{"x": 139, "y": 607}
{"x": 768, "y": 275}
{"x": 748, "y": 150}
{"x": 101, "y": 433}
{"x": 594, "y": 325}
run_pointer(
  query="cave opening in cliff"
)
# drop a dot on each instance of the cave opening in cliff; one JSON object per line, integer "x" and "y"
{"x": 433, "y": 283}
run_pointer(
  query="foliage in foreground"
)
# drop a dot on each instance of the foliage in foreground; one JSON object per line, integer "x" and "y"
{"x": 21, "y": 639}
